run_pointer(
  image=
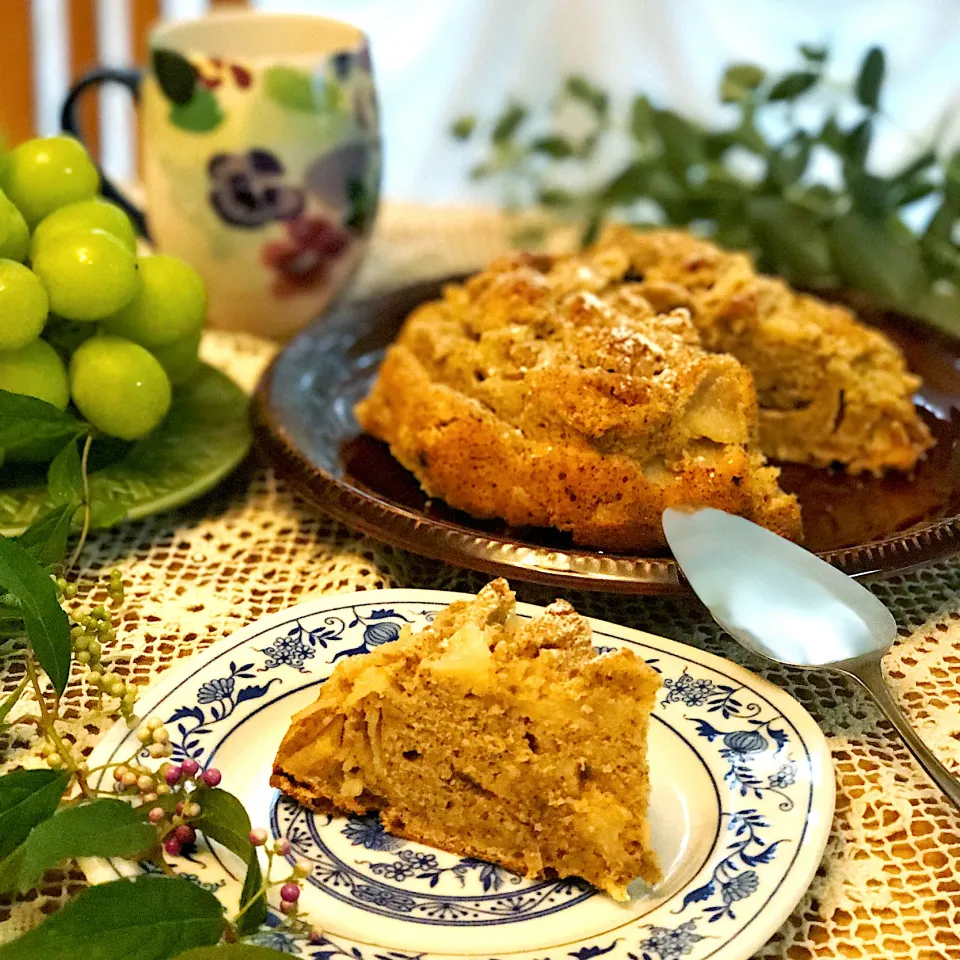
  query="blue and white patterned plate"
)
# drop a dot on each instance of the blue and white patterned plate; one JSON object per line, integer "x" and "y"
{"x": 742, "y": 802}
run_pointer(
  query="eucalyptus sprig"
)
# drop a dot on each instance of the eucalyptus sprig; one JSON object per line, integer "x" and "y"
{"x": 754, "y": 183}
{"x": 152, "y": 810}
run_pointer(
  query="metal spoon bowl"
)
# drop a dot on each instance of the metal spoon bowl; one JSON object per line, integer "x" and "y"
{"x": 787, "y": 605}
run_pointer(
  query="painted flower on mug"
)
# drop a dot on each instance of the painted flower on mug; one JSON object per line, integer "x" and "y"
{"x": 215, "y": 72}
{"x": 247, "y": 189}
{"x": 303, "y": 259}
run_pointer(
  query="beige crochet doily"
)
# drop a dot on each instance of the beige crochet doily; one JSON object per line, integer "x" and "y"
{"x": 889, "y": 884}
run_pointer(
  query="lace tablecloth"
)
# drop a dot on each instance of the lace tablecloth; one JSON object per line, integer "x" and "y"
{"x": 889, "y": 884}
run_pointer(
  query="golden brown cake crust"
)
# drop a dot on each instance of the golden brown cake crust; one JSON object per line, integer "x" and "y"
{"x": 492, "y": 736}
{"x": 830, "y": 389}
{"x": 524, "y": 395}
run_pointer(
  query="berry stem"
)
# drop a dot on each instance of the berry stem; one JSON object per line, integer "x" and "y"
{"x": 85, "y": 529}
{"x": 48, "y": 725}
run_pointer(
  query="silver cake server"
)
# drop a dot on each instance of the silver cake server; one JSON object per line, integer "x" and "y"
{"x": 786, "y": 604}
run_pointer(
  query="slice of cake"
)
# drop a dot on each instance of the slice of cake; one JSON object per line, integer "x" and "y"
{"x": 830, "y": 389}
{"x": 521, "y": 394}
{"x": 489, "y": 736}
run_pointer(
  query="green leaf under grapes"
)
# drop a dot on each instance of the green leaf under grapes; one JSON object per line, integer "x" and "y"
{"x": 103, "y": 828}
{"x": 24, "y": 418}
{"x": 224, "y": 819}
{"x": 65, "y": 477}
{"x": 739, "y": 81}
{"x": 44, "y": 620}
{"x": 871, "y": 78}
{"x": 46, "y": 538}
{"x": 176, "y": 75}
{"x": 792, "y": 85}
{"x": 200, "y": 114}
{"x": 27, "y": 797}
{"x": 148, "y": 918}
{"x": 229, "y": 951}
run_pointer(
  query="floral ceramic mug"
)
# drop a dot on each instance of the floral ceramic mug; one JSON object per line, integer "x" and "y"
{"x": 261, "y": 159}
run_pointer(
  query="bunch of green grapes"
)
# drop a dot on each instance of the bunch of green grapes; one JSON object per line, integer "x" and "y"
{"x": 83, "y": 318}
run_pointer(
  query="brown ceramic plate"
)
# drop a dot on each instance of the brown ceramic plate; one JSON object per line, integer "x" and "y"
{"x": 303, "y": 414}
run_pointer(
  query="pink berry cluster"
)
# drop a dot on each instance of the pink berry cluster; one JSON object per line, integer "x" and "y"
{"x": 291, "y": 887}
{"x": 175, "y": 829}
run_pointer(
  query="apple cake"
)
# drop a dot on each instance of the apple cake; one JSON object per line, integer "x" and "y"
{"x": 546, "y": 392}
{"x": 490, "y": 736}
{"x": 830, "y": 389}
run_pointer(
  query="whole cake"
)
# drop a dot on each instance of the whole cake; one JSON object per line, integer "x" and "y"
{"x": 490, "y": 736}
{"x": 546, "y": 392}
{"x": 831, "y": 390}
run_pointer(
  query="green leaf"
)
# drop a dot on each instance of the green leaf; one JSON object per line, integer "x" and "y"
{"x": 832, "y": 136}
{"x": 914, "y": 192}
{"x": 229, "y": 951}
{"x": 681, "y": 140}
{"x": 107, "y": 512}
{"x": 792, "y": 85}
{"x": 813, "y": 54}
{"x": 13, "y": 698}
{"x": 200, "y": 115}
{"x": 27, "y": 797}
{"x": 508, "y": 123}
{"x": 176, "y": 75}
{"x": 872, "y": 196}
{"x": 919, "y": 164}
{"x": 148, "y": 918}
{"x": 877, "y": 258}
{"x": 256, "y": 914}
{"x": 291, "y": 88}
{"x": 462, "y": 128}
{"x": 627, "y": 186}
{"x": 581, "y": 89}
{"x": 65, "y": 477}
{"x": 641, "y": 119}
{"x": 553, "y": 146}
{"x": 794, "y": 242}
{"x": 943, "y": 221}
{"x": 103, "y": 828}
{"x": 554, "y": 197}
{"x": 739, "y": 81}
{"x": 870, "y": 78}
{"x": 856, "y": 143}
{"x": 787, "y": 165}
{"x": 45, "y": 622}
{"x": 46, "y": 539}
{"x": 24, "y": 418}
{"x": 224, "y": 819}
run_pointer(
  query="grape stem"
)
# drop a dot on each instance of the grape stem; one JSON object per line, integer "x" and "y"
{"x": 85, "y": 529}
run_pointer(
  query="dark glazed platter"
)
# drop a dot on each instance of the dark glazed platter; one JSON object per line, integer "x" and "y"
{"x": 303, "y": 415}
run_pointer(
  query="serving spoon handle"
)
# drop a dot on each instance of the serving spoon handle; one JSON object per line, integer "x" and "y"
{"x": 869, "y": 675}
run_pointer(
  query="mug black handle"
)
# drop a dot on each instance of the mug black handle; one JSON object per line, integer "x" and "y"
{"x": 69, "y": 122}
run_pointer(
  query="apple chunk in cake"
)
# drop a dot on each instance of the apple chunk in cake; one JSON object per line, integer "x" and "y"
{"x": 490, "y": 736}
{"x": 521, "y": 394}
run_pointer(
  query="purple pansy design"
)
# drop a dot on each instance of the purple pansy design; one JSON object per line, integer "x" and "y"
{"x": 247, "y": 190}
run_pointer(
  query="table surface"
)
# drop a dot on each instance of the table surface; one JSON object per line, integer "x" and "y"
{"x": 889, "y": 883}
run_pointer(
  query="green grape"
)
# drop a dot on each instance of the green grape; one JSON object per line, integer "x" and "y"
{"x": 93, "y": 214}
{"x": 47, "y": 173}
{"x": 180, "y": 359}
{"x": 23, "y": 305}
{"x": 37, "y": 371}
{"x": 89, "y": 274}
{"x": 169, "y": 305}
{"x": 14, "y": 233}
{"x": 119, "y": 386}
